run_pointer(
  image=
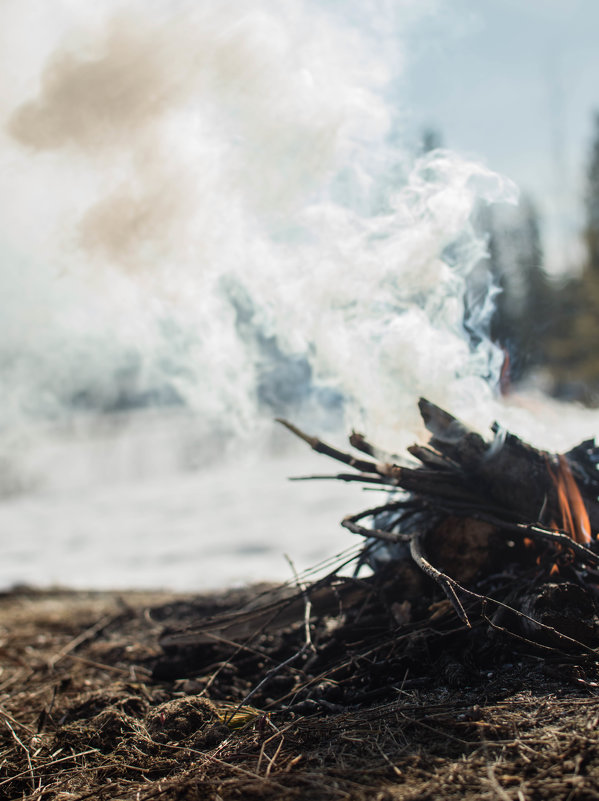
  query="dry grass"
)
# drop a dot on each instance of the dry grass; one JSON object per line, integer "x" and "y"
{"x": 81, "y": 717}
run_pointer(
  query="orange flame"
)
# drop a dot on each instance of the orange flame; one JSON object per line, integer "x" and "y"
{"x": 575, "y": 518}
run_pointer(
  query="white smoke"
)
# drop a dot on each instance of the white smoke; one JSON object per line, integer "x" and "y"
{"x": 208, "y": 211}
{"x": 205, "y": 203}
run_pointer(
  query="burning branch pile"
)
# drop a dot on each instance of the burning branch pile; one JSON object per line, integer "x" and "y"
{"x": 480, "y": 608}
{"x": 469, "y": 501}
{"x": 481, "y": 548}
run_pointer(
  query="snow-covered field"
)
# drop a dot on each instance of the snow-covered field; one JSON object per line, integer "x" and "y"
{"x": 143, "y": 505}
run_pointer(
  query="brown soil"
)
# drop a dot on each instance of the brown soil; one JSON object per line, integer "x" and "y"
{"x": 90, "y": 707}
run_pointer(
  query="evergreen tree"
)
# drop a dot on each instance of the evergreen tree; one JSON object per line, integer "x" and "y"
{"x": 516, "y": 262}
{"x": 573, "y": 348}
{"x": 592, "y": 201}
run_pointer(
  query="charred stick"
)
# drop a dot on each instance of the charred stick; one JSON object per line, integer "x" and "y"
{"x": 388, "y": 507}
{"x": 413, "y": 479}
{"x": 375, "y": 533}
{"x": 481, "y": 510}
{"x": 431, "y": 458}
{"x": 363, "y": 479}
{"x": 537, "y": 531}
{"x": 427, "y": 484}
{"x": 422, "y": 481}
{"x": 359, "y": 442}
{"x": 561, "y": 538}
{"x": 351, "y": 522}
{"x": 526, "y": 640}
{"x": 434, "y": 483}
{"x": 321, "y": 447}
{"x": 443, "y": 426}
{"x": 447, "y": 584}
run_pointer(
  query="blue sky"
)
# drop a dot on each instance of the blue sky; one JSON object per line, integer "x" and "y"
{"x": 514, "y": 84}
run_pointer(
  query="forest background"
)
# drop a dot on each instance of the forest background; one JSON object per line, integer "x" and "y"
{"x": 546, "y": 321}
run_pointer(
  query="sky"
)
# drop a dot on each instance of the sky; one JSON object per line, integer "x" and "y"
{"x": 514, "y": 84}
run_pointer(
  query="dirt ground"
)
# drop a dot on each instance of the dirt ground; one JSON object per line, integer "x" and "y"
{"x": 91, "y": 706}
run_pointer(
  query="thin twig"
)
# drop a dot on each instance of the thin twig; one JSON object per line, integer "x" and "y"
{"x": 88, "y": 634}
{"x": 495, "y": 786}
{"x": 307, "y": 646}
{"x": 350, "y": 522}
{"x": 375, "y": 533}
{"x": 24, "y": 747}
{"x": 307, "y": 603}
{"x": 559, "y": 538}
{"x": 272, "y": 761}
{"x": 321, "y": 447}
{"x": 260, "y": 757}
{"x": 16, "y": 722}
{"x": 541, "y": 532}
{"x": 363, "y": 478}
{"x": 448, "y": 584}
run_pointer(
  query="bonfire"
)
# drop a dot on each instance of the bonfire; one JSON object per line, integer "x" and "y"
{"x": 453, "y": 649}
{"x": 492, "y": 535}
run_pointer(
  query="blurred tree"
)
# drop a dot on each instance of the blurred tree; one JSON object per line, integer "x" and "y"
{"x": 544, "y": 324}
{"x": 572, "y": 352}
{"x": 592, "y": 201}
{"x": 525, "y": 300}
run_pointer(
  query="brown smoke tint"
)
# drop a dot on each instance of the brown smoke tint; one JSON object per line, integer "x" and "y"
{"x": 108, "y": 104}
{"x": 117, "y": 226}
{"x": 94, "y": 101}
{"x": 221, "y": 100}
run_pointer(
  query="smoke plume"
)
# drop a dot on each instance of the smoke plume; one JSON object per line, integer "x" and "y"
{"x": 210, "y": 207}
